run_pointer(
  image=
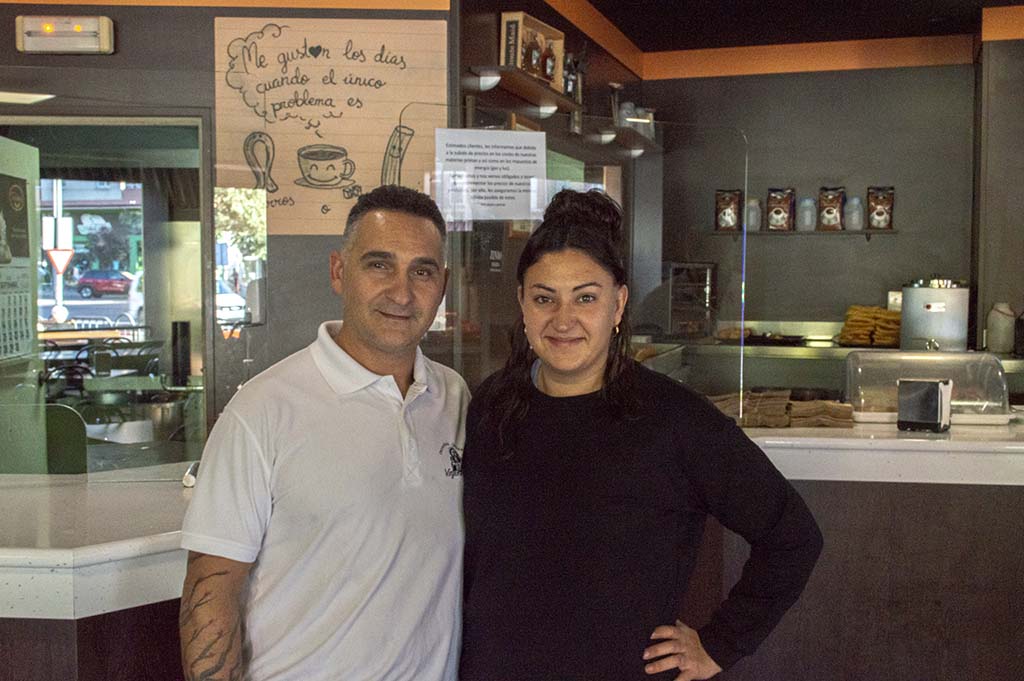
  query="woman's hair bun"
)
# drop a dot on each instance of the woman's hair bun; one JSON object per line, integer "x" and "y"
{"x": 592, "y": 209}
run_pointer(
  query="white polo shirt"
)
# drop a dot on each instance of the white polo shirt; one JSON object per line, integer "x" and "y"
{"x": 348, "y": 498}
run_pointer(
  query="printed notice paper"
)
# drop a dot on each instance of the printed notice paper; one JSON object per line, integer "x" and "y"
{"x": 17, "y": 311}
{"x": 491, "y": 174}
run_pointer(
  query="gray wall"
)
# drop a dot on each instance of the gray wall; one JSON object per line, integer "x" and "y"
{"x": 1001, "y": 176}
{"x": 911, "y": 128}
{"x": 644, "y": 195}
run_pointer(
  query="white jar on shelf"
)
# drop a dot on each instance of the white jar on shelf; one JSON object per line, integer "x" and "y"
{"x": 999, "y": 329}
{"x": 806, "y": 215}
{"x": 752, "y": 218}
{"x": 853, "y": 214}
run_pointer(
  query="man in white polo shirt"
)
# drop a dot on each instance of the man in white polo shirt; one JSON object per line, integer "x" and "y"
{"x": 324, "y": 532}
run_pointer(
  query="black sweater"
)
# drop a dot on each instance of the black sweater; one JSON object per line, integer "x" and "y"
{"x": 582, "y": 540}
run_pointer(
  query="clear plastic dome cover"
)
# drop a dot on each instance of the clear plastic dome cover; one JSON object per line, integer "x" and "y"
{"x": 980, "y": 394}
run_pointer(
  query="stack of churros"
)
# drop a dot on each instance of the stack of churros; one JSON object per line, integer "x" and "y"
{"x": 887, "y": 328}
{"x": 869, "y": 325}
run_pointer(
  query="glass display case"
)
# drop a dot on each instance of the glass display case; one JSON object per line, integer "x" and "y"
{"x": 692, "y": 298}
{"x": 980, "y": 394}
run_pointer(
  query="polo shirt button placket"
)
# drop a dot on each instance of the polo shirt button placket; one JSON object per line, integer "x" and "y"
{"x": 412, "y": 475}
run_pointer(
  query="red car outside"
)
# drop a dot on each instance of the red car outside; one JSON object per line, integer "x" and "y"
{"x": 94, "y": 283}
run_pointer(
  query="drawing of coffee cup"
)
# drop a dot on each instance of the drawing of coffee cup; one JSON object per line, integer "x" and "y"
{"x": 325, "y": 165}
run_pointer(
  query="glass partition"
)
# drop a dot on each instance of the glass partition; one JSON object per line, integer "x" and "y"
{"x": 723, "y": 306}
{"x": 685, "y": 301}
{"x": 843, "y": 216}
{"x": 142, "y": 218}
{"x": 117, "y": 297}
{"x": 22, "y": 407}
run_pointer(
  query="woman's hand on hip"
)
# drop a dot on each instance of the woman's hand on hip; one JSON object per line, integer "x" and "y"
{"x": 680, "y": 649}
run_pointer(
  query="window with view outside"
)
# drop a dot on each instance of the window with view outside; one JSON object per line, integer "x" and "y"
{"x": 240, "y": 227}
{"x": 103, "y": 229}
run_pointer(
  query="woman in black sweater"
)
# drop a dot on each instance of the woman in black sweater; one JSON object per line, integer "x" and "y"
{"x": 588, "y": 479}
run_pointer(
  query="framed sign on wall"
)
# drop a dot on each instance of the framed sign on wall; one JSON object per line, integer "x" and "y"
{"x": 317, "y": 111}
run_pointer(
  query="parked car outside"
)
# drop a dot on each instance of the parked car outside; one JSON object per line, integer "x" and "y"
{"x": 94, "y": 283}
{"x": 230, "y": 305}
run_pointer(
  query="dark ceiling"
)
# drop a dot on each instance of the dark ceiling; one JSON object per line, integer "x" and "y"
{"x": 657, "y": 25}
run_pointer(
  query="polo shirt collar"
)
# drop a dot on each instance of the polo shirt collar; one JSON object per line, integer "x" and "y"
{"x": 345, "y": 375}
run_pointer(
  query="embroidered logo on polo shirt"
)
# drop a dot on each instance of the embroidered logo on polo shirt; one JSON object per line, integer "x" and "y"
{"x": 454, "y": 455}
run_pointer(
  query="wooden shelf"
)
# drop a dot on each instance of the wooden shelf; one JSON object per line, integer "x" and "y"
{"x": 866, "y": 233}
{"x": 526, "y": 87}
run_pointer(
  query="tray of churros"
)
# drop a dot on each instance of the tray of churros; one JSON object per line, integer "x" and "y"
{"x": 870, "y": 326}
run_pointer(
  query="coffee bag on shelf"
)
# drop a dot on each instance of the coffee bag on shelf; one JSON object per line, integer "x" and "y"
{"x": 728, "y": 203}
{"x": 780, "y": 209}
{"x": 881, "y": 201}
{"x": 831, "y": 202}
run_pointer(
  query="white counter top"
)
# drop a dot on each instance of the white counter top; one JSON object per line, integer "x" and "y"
{"x": 972, "y": 455}
{"x": 1011, "y": 364}
{"x": 73, "y": 546}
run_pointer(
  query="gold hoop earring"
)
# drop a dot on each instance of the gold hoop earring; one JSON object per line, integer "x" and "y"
{"x": 616, "y": 329}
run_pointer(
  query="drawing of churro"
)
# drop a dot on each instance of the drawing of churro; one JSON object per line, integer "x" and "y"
{"x": 394, "y": 154}
{"x": 259, "y": 154}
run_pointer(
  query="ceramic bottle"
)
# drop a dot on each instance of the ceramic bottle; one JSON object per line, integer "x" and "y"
{"x": 999, "y": 329}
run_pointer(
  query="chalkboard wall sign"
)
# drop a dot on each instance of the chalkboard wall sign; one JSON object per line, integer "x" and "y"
{"x": 317, "y": 111}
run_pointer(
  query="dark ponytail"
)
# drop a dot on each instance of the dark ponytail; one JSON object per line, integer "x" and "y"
{"x": 589, "y": 222}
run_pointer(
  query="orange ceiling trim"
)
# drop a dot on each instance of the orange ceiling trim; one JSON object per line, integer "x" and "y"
{"x": 1002, "y": 23}
{"x": 808, "y": 57}
{"x": 588, "y": 19}
{"x": 443, "y": 5}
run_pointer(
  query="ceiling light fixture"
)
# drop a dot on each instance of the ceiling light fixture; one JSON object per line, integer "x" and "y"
{"x": 64, "y": 34}
{"x": 546, "y": 110}
{"x": 481, "y": 82}
{"x": 602, "y": 136}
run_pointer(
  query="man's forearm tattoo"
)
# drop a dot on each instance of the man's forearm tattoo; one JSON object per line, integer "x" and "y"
{"x": 225, "y": 665}
{"x": 211, "y": 630}
{"x": 194, "y": 602}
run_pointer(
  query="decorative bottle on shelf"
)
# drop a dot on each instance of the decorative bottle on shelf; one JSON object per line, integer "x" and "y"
{"x": 999, "y": 329}
{"x": 534, "y": 53}
{"x": 569, "y": 76}
{"x": 548, "y": 59}
{"x": 853, "y": 214}
{"x": 576, "y": 117}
